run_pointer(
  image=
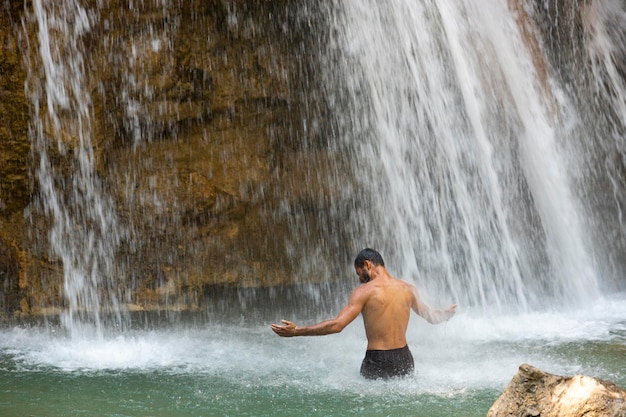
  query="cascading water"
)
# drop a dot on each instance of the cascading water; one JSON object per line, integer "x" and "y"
{"x": 480, "y": 165}
{"x": 461, "y": 136}
{"x": 84, "y": 232}
{"x": 456, "y": 128}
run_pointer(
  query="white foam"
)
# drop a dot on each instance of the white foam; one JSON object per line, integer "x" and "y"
{"x": 466, "y": 353}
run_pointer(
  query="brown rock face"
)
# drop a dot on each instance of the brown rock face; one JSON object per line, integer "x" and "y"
{"x": 209, "y": 145}
{"x": 209, "y": 129}
{"x": 533, "y": 392}
{"x": 14, "y": 144}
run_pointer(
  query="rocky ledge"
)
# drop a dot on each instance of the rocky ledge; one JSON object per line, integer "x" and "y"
{"x": 533, "y": 392}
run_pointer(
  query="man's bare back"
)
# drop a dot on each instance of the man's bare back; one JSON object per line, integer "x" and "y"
{"x": 385, "y": 303}
{"x": 386, "y": 312}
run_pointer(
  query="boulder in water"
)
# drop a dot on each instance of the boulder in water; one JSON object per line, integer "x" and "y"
{"x": 533, "y": 392}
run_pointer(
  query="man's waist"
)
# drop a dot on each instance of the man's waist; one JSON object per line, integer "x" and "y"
{"x": 385, "y": 349}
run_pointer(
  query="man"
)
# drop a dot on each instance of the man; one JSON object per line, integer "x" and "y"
{"x": 386, "y": 304}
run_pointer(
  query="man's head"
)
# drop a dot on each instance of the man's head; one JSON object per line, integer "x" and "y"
{"x": 371, "y": 255}
{"x": 365, "y": 260}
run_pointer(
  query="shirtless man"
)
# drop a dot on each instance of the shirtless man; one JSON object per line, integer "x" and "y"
{"x": 386, "y": 304}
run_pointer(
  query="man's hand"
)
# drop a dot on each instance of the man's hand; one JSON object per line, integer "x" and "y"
{"x": 288, "y": 329}
{"x": 449, "y": 312}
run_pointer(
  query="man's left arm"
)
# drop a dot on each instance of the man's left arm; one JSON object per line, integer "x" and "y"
{"x": 430, "y": 315}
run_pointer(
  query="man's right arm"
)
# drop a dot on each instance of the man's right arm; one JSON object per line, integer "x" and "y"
{"x": 336, "y": 325}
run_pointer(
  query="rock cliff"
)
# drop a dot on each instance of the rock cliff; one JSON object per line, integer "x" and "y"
{"x": 202, "y": 134}
{"x": 204, "y": 120}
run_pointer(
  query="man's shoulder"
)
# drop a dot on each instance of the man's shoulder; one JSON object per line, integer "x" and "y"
{"x": 373, "y": 287}
{"x": 410, "y": 285}
{"x": 403, "y": 283}
{"x": 364, "y": 288}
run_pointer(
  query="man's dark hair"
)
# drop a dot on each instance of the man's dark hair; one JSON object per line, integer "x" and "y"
{"x": 371, "y": 255}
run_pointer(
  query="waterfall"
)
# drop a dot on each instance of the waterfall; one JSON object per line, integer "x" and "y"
{"x": 207, "y": 168}
{"x": 83, "y": 230}
{"x": 467, "y": 147}
{"x": 479, "y": 145}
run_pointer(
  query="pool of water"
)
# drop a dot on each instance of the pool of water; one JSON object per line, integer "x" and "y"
{"x": 240, "y": 368}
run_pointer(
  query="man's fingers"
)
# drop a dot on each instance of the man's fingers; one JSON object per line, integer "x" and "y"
{"x": 286, "y": 324}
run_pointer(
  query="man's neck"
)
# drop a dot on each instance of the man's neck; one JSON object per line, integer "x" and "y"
{"x": 380, "y": 273}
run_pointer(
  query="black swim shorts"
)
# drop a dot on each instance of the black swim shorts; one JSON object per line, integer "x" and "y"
{"x": 387, "y": 363}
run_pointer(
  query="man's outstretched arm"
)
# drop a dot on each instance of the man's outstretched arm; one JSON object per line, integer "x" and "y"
{"x": 290, "y": 329}
{"x": 430, "y": 315}
{"x": 336, "y": 325}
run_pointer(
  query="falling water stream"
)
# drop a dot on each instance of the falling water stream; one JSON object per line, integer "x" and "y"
{"x": 467, "y": 154}
{"x": 482, "y": 177}
{"x": 84, "y": 232}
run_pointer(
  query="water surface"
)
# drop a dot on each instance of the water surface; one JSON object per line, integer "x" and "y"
{"x": 238, "y": 367}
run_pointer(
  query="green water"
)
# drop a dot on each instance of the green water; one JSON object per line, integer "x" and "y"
{"x": 243, "y": 369}
{"x": 51, "y": 393}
